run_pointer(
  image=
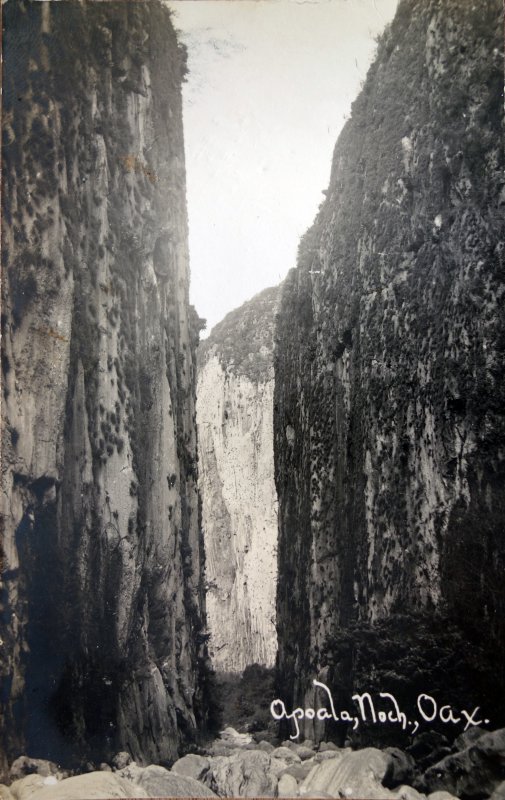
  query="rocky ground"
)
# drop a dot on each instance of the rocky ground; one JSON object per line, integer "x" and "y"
{"x": 237, "y": 765}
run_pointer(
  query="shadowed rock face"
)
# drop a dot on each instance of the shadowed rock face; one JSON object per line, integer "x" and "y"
{"x": 239, "y": 505}
{"x": 389, "y": 427}
{"x": 103, "y": 596}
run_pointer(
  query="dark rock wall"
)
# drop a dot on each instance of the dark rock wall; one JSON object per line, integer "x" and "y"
{"x": 102, "y": 599}
{"x": 389, "y": 400}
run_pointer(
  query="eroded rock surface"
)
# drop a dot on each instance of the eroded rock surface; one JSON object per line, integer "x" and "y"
{"x": 103, "y": 598}
{"x": 239, "y": 504}
{"x": 389, "y": 390}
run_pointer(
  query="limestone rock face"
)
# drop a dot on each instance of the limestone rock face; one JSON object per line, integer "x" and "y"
{"x": 389, "y": 390}
{"x": 239, "y": 504}
{"x": 102, "y": 559}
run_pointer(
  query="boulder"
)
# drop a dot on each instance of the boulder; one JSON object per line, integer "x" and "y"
{"x": 443, "y": 796}
{"x": 192, "y": 766}
{"x": 265, "y": 746}
{"x": 498, "y": 794}
{"x": 131, "y": 773}
{"x": 159, "y": 782}
{"x": 428, "y": 748}
{"x": 27, "y": 786}
{"x": 248, "y": 773}
{"x": 468, "y": 737}
{"x": 267, "y": 735}
{"x": 288, "y": 743}
{"x": 473, "y": 772}
{"x": 299, "y": 771}
{"x": 219, "y": 748}
{"x": 407, "y": 793}
{"x": 426, "y": 742}
{"x": 328, "y": 754}
{"x": 5, "y": 793}
{"x": 287, "y": 754}
{"x": 121, "y": 760}
{"x": 92, "y": 786}
{"x": 287, "y": 786}
{"x": 324, "y": 746}
{"x": 233, "y": 737}
{"x": 356, "y": 774}
{"x": 24, "y": 765}
{"x": 295, "y": 743}
{"x": 401, "y": 769}
{"x": 304, "y": 753}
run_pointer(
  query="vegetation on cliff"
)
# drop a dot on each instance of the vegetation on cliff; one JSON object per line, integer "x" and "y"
{"x": 243, "y": 340}
{"x": 104, "y": 602}
{"x": 389, "y": 426}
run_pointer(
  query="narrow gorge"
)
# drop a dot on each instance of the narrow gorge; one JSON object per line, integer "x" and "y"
{"x": 103, "y": 601}
{"x": 389, "y": 391}
{"x": 195, "y": 530}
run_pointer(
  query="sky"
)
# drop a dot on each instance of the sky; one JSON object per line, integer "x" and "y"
{"x": 270, "y": 86}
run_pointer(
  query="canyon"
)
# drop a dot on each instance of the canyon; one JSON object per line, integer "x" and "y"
{"x": 318, "y": 485}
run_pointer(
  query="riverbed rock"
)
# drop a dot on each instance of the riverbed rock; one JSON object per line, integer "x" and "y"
{"x": 407, "y": 793}
{"x": 468, "y": 737}
{"x": 231, "y": 736}
{"x": 218, "y": 749}
{"x": 132, "y": 772}
{"x": 303, "y": 752}
{"x": 92, "y": 786}
{"x": 324, "y": 746}
{"x": 401, "y": 769}
{"x": 287, "y": 786}
{"x": 327, "y": 755}
{"x": 192, "y": 766}
{"x": 300, "y": 771}
{"x": 245, "y": 774}
{"x": 25, "y": 787}
{"x": 24, "y": 765}
{"x": 356, "y": 774}
{"x": 159, "y": 782}
{"x": 287, "y": 754}
{"x": 121, "y": 760}
{"x": 264, "y": 746}
{"x": 473, "y": 772}
{"x": 498, "y": 794}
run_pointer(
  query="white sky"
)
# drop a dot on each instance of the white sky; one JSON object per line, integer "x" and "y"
{"x": 270, "y": 85}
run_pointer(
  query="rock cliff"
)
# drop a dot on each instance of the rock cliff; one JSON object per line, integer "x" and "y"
{"x": 103, "y": 598}
{"x": 239, "y": 504}
{"x": 389, "y": 391}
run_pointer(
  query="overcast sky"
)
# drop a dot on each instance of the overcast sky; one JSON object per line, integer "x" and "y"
{"x": 271, "y": 83}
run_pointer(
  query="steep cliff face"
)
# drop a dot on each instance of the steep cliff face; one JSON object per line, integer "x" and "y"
{"x": 239, "y": 504}
{"x": 389, "y": 397}
{"x": 103, "y": 597}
